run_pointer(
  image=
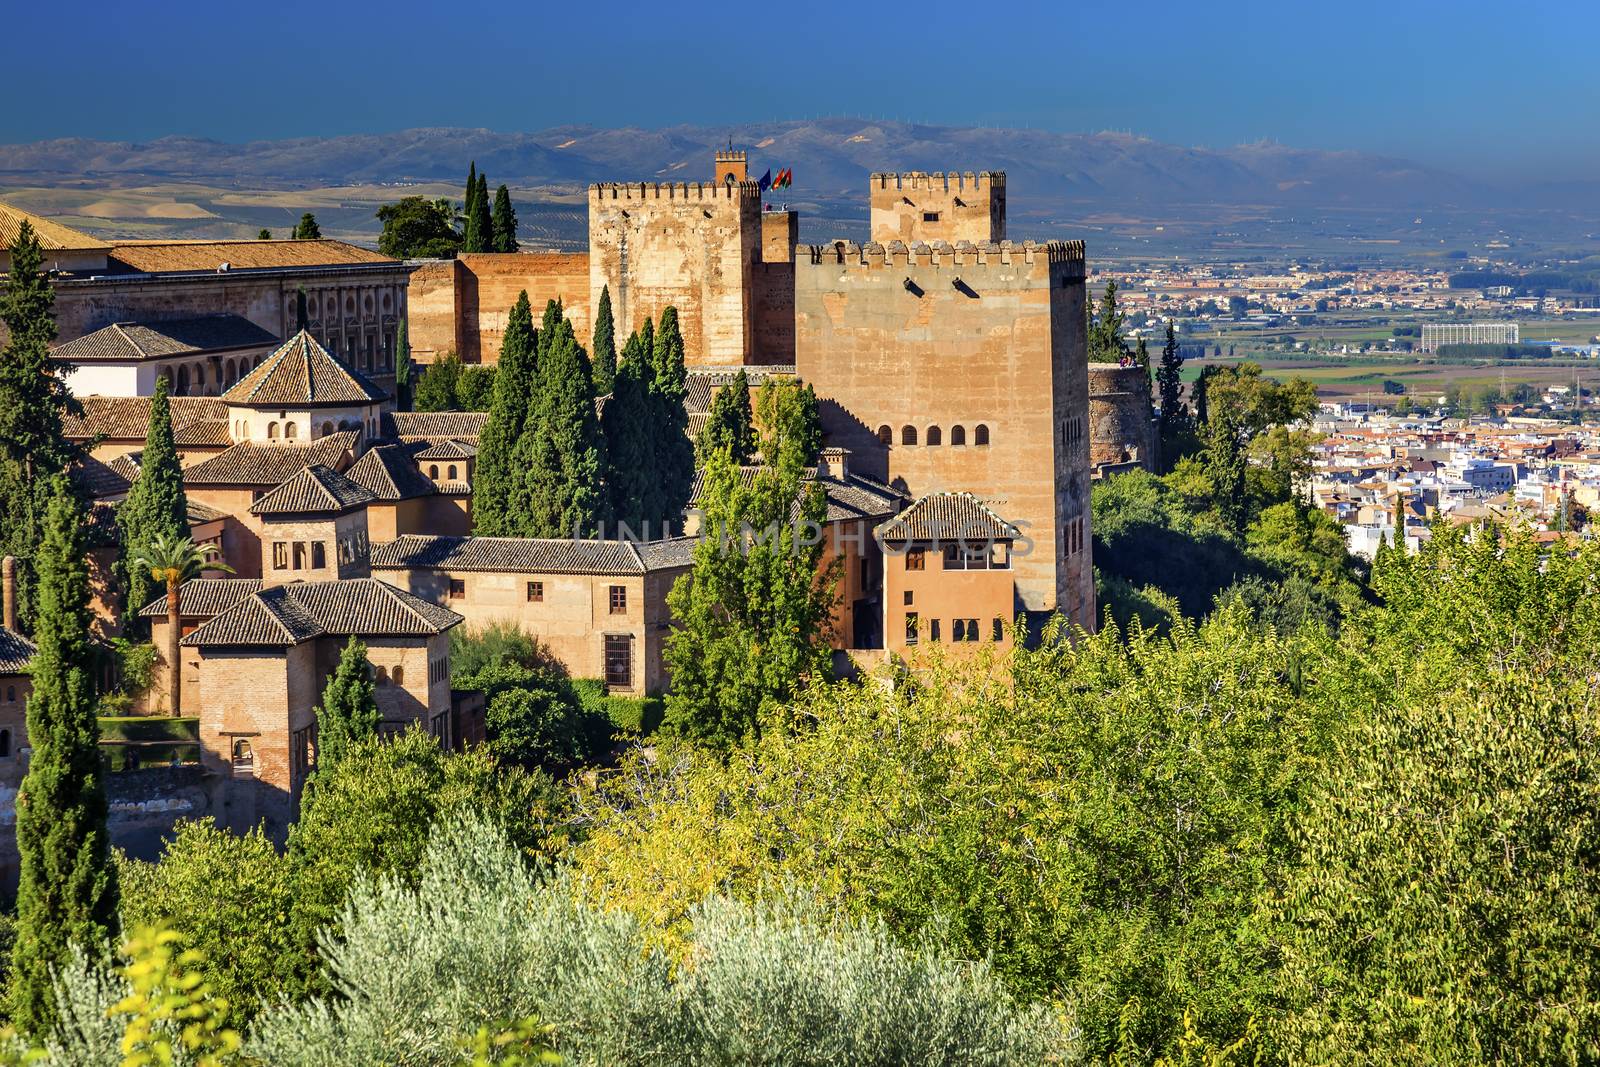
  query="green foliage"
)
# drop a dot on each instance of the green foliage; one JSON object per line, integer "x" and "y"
{"x": 1174, "y": 426}
{"x": 402, "y": 366}
{"x": 790, "y": 419}
{"x": 626, "y": 714}
{"x": 605, "y": 344}
{"x": 436, "y": 388}
{"x": 155, "y": 507}
{"x": 418, "y": 228}
{"x": 497, "y": 485}
{"x": 307, "y": 229}
{"x": 348, "y": 714}
{"x": 730, "y": 426}
{"x": 636, "y": 492}
{"x": 478, "y": 234}
{"x": 754, "y": 610}
{"x": 561, "y": 452}
{"x": 674, "y": 464}
{"x": 475, "y": 388}
{"x": 534, "y": 716}
{"x": 504, "y": 224}
{"x": 480, "y": 938}
{"x": 1106, "y": 343}
{"x": 68, "y": 889}
{"x": 264, "y": 235}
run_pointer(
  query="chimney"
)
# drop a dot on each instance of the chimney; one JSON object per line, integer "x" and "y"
{"x": 835, "y": 463}
{"x": 8, "y": 593}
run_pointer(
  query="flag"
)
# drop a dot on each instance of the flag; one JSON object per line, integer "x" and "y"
{"x": 766, "y": 180}
{"x": 785, "y": 179}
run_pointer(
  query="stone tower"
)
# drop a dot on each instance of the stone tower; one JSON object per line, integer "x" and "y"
{"x": 939, "y": 207}
{"x": 732, "y": 167}
{"x": 1121, "y": 426}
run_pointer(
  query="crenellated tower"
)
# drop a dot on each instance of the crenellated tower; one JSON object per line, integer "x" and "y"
{"x": 914, "y": 206}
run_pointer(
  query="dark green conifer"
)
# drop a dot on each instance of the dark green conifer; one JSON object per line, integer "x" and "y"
{"x": 730, "y": 425}
{"x": 155, "y": 507}
{"x": 402, "y": 367}
{"x": 67, "y": 893}
{"x": 675, "y": 466}
{"x": 605, "y": 345}
{"x": 495, "y": 481}
{"x": 473, "y": 237}
{"x": 504, "y": 223}
{"x": 480, "y": 223}
{"x": 632, "y": 452}
{"x": 348, "y": 713}
{"x": 308, "y": 230}
{"x": 561, "y": 451}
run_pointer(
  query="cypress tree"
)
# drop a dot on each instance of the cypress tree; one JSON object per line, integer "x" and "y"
{"x": 308, "y": 230}
{"x": 631, "y": 446}
{"x": 33, "y": 402}
{"x": 474, "y": 238}
{"x": 504, "y": 224}
{"x": 480, "y": 223}
{"x": 67, "y": 893}
{"x": 647, "y": 339}
{"x": 402, "y": 367}
{"x": 675, "y": 469}
{"x": 264, "y": 235}
{"x": 1105, "y": 332}
{"x": 605, "y": 345}
{"x": 348, "y": 713}
{"x": 553, "y": 314}
{"x": 155, "y": 507}
{"x": 1174, "y": 422}
{"x": 561, "y": 452}
{"x": 730, "y": 426}
{"x": 494, "y": 482}
{"x": 671, "y": 374}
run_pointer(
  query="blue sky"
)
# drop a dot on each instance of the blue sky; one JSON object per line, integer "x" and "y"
{"x": 1490, "y": 89}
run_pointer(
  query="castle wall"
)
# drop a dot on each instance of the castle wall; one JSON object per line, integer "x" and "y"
{"x": 692, "y": 246}
{"x": 461, "y": 304}
{"x": 1121, "y": 428}
{"x": 939, "y": 207}
{"x": 985, "y": 339}
{"x": 773, "y": 296}
{"x": 434, "y": 311}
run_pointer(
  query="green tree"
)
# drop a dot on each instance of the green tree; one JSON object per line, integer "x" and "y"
{"x": 754, "y": 611}
{"x": 534, "y": 717}
{"x": 155, "y": 507}
{"x": 264, "y": 235}
{"x": 790, "y": 419}
{"x": 504, "y": 223}
{"x": 1106, "y": 344}
{"x": 730, "y": 426}
{"x": 632, "y": 446}
{"x": 561, "y": 452}
{"x": 478, "y": 235}
{"x": 496, "y": 488}
{"x": 436, "y": 387}
{"x": 172, "y": 561}
{"x": 605, "y": 345}
{"x": 1224, "y": 463}
{"x": 33, "y": 403}
{"x": 402, "y": 367}
{"x": 1173, "y": 427}
{"x": 67, "y": 893}
{"x": 418, "y": 228}
{"x": 670, "y": 388}
{"x": 348, "y": 713}
{"x": 307, "y": 229}
{"x": 475, "y": 387}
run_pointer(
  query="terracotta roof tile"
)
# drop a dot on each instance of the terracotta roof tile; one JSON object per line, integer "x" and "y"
{"x": 123, "y": 418}
{"x": 948, "y": 517}
{"x": 271, "y": 465}
{"x": 389, "y": 474}
{"x": 315, "y": 490}
{"x": 302, "y": 372}
{"x": 201, "y": 598}
{"x": 15, "y": 651}
{"x": 434, "y": 425}
{"x": 122, "y": 341}
{"x": 203, "y": 433}
{"x": 289, "y": 614}
{"x": 158, "y": 256}
{"x": 448, "y": 449}
{"x": 524, "y": 555}
{"x": 107, "y": 479}
{"x": 702, "y": 385}
{"x": 52, "y": 235}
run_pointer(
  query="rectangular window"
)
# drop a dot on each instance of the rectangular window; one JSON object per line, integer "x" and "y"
{"x": 458, "y": 589}
{"x": 911, "y": 627}
{"x": 280, "y": 555}
{"x": 619, "y": 660}
{"x": 299, "y": 555}
{"x": 999, "y": 629}
{"x": 619, "y": 600}
{"x": 930, "y": 216}
{"x": 952, "y": 558}
{"x": 1000, "y": 556}
{"x": 535, "y": 592}
{"x": 319, "y": 555}
{"x": 915, "y": 560}
{"x": 908, "y": 598}
{"x": 933, "y": 629}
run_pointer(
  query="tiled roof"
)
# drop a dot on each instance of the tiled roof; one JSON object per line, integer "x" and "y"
{"x": 302, "y": 372}
{"x": 525, "y": 555}
{"x": 199, "y": 513}
{"x": 434, "y": 425}
{"x": 702, "y": 385}
{"x": 389, "y": 474}
{"x": 15, "y": 650}
{"x": 158, "y": 340}
{"x": 948, "y": 517}
{"x": 203, "y": 433}
{"x": 201, "y": 598}
{"x": 449, "y": 449}
{"x": 314, "y": 490}
{"x": 52, "y": 235}
{"x": 289, "y": 614}
{"x": 107, "y": 479}
{"x": 856, "y": 498}
{"x": 157, "y": 256}
{"x": 270, "y": 465}
{"x": 128, "y": 417}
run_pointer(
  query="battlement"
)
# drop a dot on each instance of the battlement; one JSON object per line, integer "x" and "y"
{"x": 731, "y": 155}
{"x": 940, "y": 182}
{"x": 605, "y": 191}
{"x": 939, "y": 253}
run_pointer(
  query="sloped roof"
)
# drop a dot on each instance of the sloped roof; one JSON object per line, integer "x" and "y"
{"x": 201, "y": 598}
{"x": 289, "y": 614}
{"x": 388, "y": 473}
{"x": 52, "y": 235}
{"x": 701, "y": 385}
{"x": 527, "y": 555}
{"x": 128, "y": 417}
{"x": 434, "y": 425}
{"x": 449, "y": 449}
{"x": 158, "y": 256}
{"x": 270, "y": 465}
{"x": 317, "y": 490}
{"x": 857, "y": 497}
{"x": 135, "y": 341}
{"x": 302, "y": 373}
{"x": 15, "y": 651}
{"x": 203, "y": 433}
{"x": 107, "y": 479}
{"x": 948, "y": 517}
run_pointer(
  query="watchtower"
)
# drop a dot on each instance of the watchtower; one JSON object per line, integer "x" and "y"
{"x": 952, "y": 207}
{"x": 732, "y": 167}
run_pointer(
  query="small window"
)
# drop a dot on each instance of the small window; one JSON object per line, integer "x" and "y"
{"x": 885, "y": 435}
{"x": 930, "y": 216}
{"x": 433, "y": 471}
{"x": 535, "y": 592}
{"x": 450, "y": 472}
{"x": 958, "y": 435}
{"x": 280, "y": 555}
{"x": 934, "y": 436}
{"x": 5, "y": 744}
{"x": 458, "y": 589}
{"x": 299, "y": 555}
{"x": 908, "y": 435}
{"x": 933, "y": 629}
{"x": 911, "y": 627}
{"x": 398, "y": 675}
{"x": 327, "y": 428}
{"x": 619, "y": 661}
{"x": 272, "y": 431}
{"x": 244, "y": 757}
{"x": 980, "y": 436}
{"x": 619, "y": 600}
{"x": 916, "y": 559}
{"x": 999, "y": 628}
{"x": 319, "y": 555}
{"x": 381, "y": 675}
{"x": 290, "y": 431}
{"x": 11, "y": 694}
{"x": 908, "y": 598}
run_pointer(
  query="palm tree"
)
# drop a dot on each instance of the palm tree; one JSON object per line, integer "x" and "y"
{"x": 174, "y": 559}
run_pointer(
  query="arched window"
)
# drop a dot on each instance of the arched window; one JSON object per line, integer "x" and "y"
{"x": 980, "y": 435}
{"x": 885, "y": 435}
{"x": 958, "y": 435}
{"x": 382, "y": 675}
{"x": 450, "y": 472}
{"x": 327, "y": 428}
{"x": 433, "y": 470}
{"x": 399, "y": 675}
{"x": 908, "y": 435}
{"x": 183, "y": 381}
{"x": 243, "y": 757}
{"x": 272, "y": 431}
{"x": 319, "y": 555}
{"x": 934, "y": 436}
{"x": 290, "y": 431}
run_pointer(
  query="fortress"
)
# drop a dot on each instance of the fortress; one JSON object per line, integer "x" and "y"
{"x": 947, "y": 358}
